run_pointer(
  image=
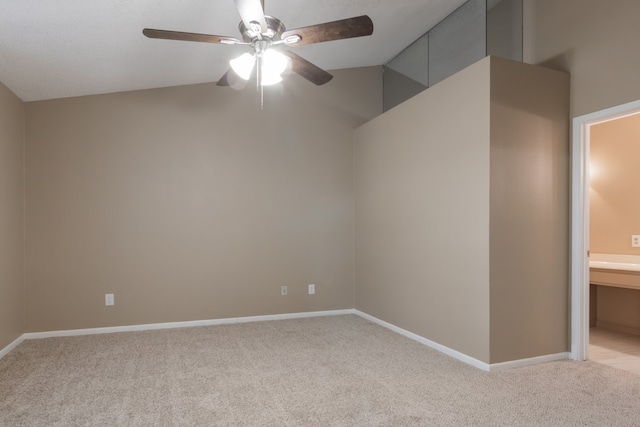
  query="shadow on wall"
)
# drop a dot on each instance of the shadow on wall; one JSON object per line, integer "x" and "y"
{"x": 560, "y": 62}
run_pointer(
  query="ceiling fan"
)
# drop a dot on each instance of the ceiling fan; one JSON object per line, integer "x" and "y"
{"x": 266, "y": 36}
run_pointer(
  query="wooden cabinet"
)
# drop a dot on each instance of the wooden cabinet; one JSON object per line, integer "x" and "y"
{"x": 615, "y": 299}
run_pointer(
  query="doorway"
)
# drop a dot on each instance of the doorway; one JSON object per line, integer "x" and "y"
{"x": 580, "y": 176}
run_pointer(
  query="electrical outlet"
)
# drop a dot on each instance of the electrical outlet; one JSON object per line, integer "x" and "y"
{"x": 108, "y": 299}
{"x": 283, "y": 290}
{"x": 635, "y": 240}
{"x": 312, "y": 289}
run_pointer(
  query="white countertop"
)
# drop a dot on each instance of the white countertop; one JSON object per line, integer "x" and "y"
{"x": 615, "y": 262}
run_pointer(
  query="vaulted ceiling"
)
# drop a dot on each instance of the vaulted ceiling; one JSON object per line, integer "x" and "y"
{"x": 63, "y": 48}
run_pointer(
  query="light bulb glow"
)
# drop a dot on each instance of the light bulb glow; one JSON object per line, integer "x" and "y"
{"x": 276, "y": 62}
{"x": 273, "y": 65}
{"x": 243, "y": 65}
{"x": 270, "y": 79}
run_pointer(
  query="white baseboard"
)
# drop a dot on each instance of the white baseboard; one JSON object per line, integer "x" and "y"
{"x": 294, "y": 315}
{"x": 520, "y": 363}
{"x": 11, "y": 346}
{"x": 422, "y": 340}
{"x": 172, "y": 325}
{"x": 463, "y": 357}
{"x": 187, "y": 324}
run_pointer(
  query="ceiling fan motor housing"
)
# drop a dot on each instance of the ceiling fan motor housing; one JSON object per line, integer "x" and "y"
{"x": 275, "y": 28}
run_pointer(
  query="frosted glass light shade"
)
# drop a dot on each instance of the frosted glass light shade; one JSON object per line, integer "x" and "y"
{"x": 243, "y": 65}
{"x": 273, "y": 65}
{"x": 275, "y": 62}
{"x": 270, "y": 79}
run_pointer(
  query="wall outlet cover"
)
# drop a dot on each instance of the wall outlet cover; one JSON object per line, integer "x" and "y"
{"x": 108, "y": 299}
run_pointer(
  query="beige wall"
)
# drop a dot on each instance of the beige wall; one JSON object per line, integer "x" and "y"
{"x": 422, "y": 214}
{"x": 595, "y": 40}
{"x": 190, "y": 203}
{"x": 529, "y": 211}
{"x": 614, "y": 206}
{"x": 12, "y": 306}
{"x": 462, "y": 199}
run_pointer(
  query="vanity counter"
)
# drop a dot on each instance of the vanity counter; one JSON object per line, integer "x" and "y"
{"x": 621, "y": 271}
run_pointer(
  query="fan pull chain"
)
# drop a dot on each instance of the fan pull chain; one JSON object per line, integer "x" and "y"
{"x": 259, "y": 80}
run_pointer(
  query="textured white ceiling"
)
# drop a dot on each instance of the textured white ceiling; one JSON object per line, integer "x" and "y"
{"x": 62, "y": 48}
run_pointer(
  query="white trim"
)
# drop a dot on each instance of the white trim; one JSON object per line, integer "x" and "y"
{"x": 579, "y": 240}
{"x": 11, "y": 346}
{"x": 580, "y": 221}
{"x": 496, "y": 367}
{"x": 294, "y": 315}
{"x": 188, "y": 324}
{"x": 422, "y": 340}
{"x": 234, "y": 320}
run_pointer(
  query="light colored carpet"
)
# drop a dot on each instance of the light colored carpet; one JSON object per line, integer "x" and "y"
{"x": 328, "y": 371}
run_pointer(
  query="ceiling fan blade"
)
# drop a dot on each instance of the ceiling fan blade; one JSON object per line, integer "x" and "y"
{"x": 306, "y": 69}
{"x": 232, "y": 80}
{"x": 336, "y": 30}
{"x": 190, "y": 37}
{"x": 252, "y": 11}
{"x": 224, "y": 80}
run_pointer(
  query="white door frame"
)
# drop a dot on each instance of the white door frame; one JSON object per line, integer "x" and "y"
{"x": 580, "y": 221}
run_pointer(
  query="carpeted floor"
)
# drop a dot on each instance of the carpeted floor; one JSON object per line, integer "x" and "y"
{"x": 326, "y": 371}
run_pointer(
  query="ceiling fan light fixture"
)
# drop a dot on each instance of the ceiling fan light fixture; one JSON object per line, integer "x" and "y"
{"x": 274, "y": 62}
{"x": 270, "y": 79}
{"x": 243, "y": 65}
{"x": 273, "y": 65}
{"x": 262, "y": 32}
